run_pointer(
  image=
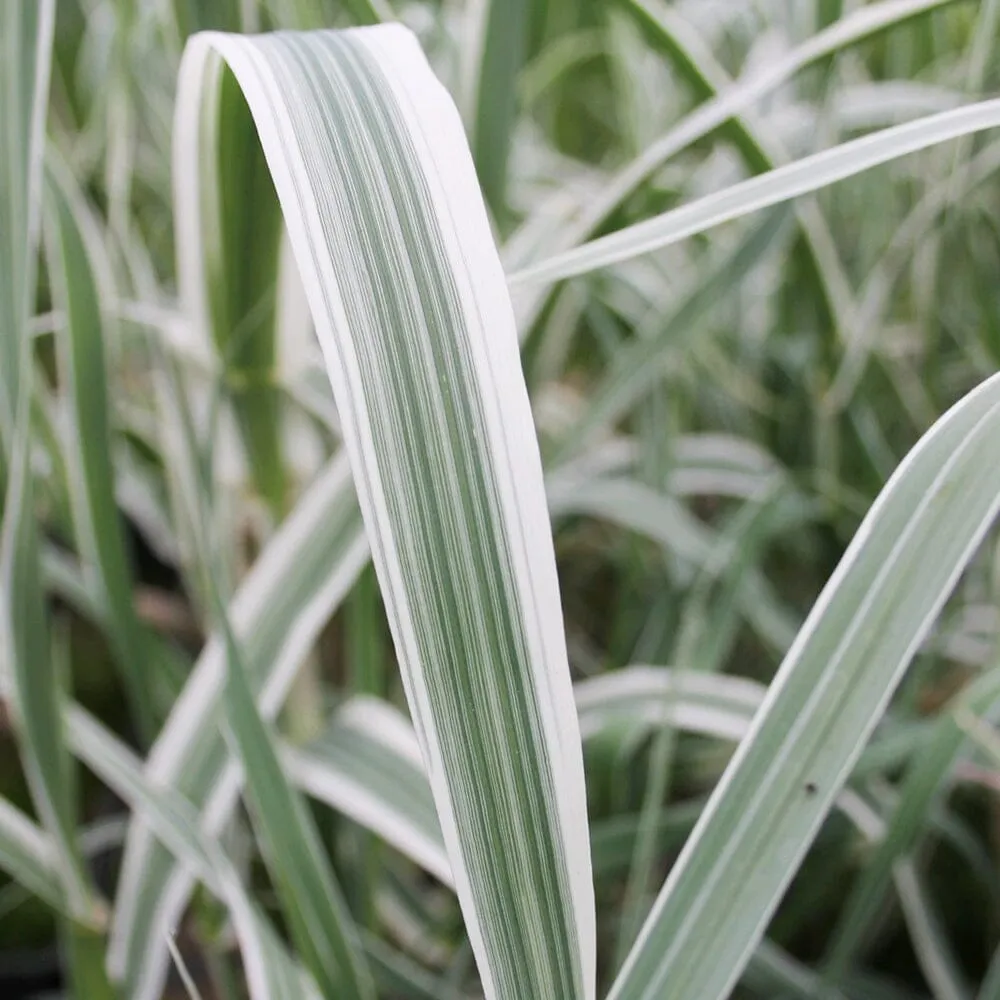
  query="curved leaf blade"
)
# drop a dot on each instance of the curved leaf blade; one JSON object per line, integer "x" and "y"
{"x": 270, "y": 970}
{"x": 28, "y": 678}
{"x": 812, "y": 173}
{"x": 28, "y": 855}
{"x": 412, "y": 311}
{"x": 367, "y": 766}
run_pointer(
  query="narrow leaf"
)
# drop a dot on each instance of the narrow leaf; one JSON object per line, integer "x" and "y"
{"x": 29, "y": 681}
{"x": 72, "y": 243}
{"x": 367, "y": 765}
{"x": 811, "y": 173}
{"x": 270, "y": 972}
{"x": 856, "y": 26}
{"x": 299, "y": 579}
{"x": 759, "y": 147}
{"x": 822, "y": 706}
{"x": 28, "y": 856}
{"x": 313, "y": 903}
{"x": 495, "y": 55}
{"x": 923, "y": 784}
{"x": 26, "y": 28}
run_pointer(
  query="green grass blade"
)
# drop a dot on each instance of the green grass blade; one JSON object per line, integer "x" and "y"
{"x": 922, "y": 787}
{"x": 367, "y": 766}
{"x": 496, "y": 54}
{"x": 299, "y": 579}
{"x": 367, "y": 638}
{"x": 760, "y": 149}
{"x": 188, "y": 434}
{"x": 822, "y": 706}
{"x": 30, "y": 682}
{"x": 83, "y": 942}
{"x": 32, "y": 685}
{"x": 392, "y": 239}
{"x": 811, "y": 173}
{"x": 270, "y": 972}
{"x": 935, "y": 956}
{"x": 72, "y": 241}
{"x": 86, "y": 975}
{"x": 228, "y": 241}
{"x": 27, "y": 855}
{"x": 320, "y": 922}
{"x": 26, "y": 30}
{"x": 640, "y": 885}
{"x": 856, "y": 26}
{"x": 642, "y": 364}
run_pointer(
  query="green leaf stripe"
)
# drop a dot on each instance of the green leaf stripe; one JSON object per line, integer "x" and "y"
{"x": 410, "y": 303}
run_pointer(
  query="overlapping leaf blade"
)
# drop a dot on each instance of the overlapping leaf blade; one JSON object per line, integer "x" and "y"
{"x": 270, "y": 971}
{"x": 855, "y": 26}
{"x": 313, "y": 903}
{"x": 760, "y": 149}
{"x": 367, "y": 766}
{"x": 781, "y": 184}
{"x": 29, "y": 680}
{"x": 28, "y": 855}
{"x": 72, "y": 240}
{"x": 299, "y": 579}
{"x": 417, "y": 494}
{"x": 26, "y": 48}
{"x": 823, "y": 704}
{"x": 923, "y": 784}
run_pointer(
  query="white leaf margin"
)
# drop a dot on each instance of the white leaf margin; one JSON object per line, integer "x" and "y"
{"x": 507, "y": 425}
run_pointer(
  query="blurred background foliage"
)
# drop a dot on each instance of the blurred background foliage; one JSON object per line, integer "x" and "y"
{"x": 716, "y": 418}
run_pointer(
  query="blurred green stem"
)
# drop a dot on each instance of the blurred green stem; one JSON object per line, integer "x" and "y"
{"x": 86, "y": 975}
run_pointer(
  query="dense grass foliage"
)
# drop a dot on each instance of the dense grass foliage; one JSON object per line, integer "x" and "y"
{"x": 301, "y": 632}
